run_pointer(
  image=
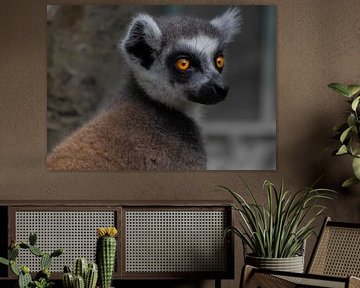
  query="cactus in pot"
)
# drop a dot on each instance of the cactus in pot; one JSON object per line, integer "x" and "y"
{"x": 85, "y": 275}
{"x": 106, "y": 254}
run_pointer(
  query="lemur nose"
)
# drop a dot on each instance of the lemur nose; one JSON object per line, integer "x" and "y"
{"x": 221, "y": 90}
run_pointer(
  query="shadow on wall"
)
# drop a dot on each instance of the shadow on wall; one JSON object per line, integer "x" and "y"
{"x": 85, "y": 71}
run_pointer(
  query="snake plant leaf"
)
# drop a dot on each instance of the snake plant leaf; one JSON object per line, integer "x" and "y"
{"x": 353, "y": 89}
{"x": 340, "y": 88}
{"x": 342, "y": 150}
{"x": 356, "y": 167}
{"x": 349, "y": 182}
{"x": 355, "y": 103}
{"x": 345, "y": 134}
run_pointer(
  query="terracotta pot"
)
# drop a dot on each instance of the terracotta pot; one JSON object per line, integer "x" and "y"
{"x": 291, "y": 264}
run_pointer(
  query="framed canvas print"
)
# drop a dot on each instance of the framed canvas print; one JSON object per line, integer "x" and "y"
{"x": 161, "y": 87}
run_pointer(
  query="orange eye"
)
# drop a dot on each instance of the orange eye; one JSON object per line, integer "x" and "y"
{"x": 182, "y": 64}
{"x": 220, "y": 61}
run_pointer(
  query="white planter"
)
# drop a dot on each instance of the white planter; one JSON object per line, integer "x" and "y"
{"x": 291, "y": 264}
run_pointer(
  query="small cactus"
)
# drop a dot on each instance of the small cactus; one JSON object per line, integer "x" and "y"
{"x": 24, "y": 278}
{"x": 91, "y": 276}
{"x": 13, "y": 253}
{"x": 88, "y": 273}
{"x": 32, "y": 238}
{"x": 57, "y": 252}
{"x": 36, "y": 251}
{"x": 79, "y": 282}
{"x": 45, "y": 261}
{"x": 106, "y": 254}
{"x": 44, "y": 273}
{"x": 81, "y": 266}
{"x": 68, "y": 280}
{"x": 14, "y": 268}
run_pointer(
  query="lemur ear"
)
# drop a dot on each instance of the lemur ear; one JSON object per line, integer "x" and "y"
{"x": 142, "y": 40}
{"x": 228, "y": 24}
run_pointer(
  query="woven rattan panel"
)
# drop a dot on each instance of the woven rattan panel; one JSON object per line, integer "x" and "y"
{"x": 75, "y": 231}
{"x": 175, "y": 241}
{"x": 338, "y": 253}
{"x": 306, "y": 282}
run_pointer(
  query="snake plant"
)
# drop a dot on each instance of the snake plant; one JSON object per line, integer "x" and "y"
{"x": 279, "y": 228}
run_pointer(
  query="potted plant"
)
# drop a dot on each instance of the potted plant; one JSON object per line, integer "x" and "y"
{"x": 84, "y": 274}
{"x": 276, "y": 233}
{"x": 42, "y": 278}
{"x": 348, "y": 132}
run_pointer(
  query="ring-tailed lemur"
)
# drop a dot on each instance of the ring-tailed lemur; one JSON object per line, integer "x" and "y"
{"x": 175, "y": 66}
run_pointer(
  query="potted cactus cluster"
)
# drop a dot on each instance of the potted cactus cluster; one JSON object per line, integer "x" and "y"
{"x": 87, "y": 274}
{"x": 42, "y": 278}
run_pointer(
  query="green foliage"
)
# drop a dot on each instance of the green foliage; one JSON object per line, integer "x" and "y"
{"x": 42, "y": 278}
{"x": 24, "y": 280}
{"x": 4, "y": 261}
{"x": 280, "y": 229}
{"x": 42, "y": 283}
{"x": 105, "y": 257}
{"x": 81, "y": 266}
{"x": 348, "y": 132}
{"x": 85, "y": 274}
{"x": 32, "y": 238}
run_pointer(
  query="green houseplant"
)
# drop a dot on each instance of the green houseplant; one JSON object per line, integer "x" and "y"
{"x": 42, "y": 278}
{"x": 275, "y": 233}
{"x": 348, "y": 132}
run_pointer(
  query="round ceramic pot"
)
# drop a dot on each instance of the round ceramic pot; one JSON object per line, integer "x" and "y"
{"x": 291, "y": 264}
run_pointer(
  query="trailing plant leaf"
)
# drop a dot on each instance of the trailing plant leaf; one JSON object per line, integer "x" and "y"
{"x": 348, "y": 133}
{"x": 349, "y": 182}
{"x": 342, "y": 150}
{"x": 353, "y": 89}
{"x": 355, "y": 103}
{"x": 340, "y": 88}
{"x": 356, "y": 167}
{"x": 345, "y": 134}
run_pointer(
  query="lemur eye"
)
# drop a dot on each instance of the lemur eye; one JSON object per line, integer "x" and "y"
{"x": 183, "y": 64}
{"x": 220, "y": 61}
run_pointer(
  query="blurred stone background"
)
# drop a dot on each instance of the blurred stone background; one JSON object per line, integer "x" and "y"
{"x": 85, "y": 70}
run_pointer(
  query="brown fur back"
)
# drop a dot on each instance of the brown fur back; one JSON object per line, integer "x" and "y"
{"x": 133, "y": 134}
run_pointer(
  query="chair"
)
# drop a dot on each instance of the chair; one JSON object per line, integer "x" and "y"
{"x": 335, "y": 262}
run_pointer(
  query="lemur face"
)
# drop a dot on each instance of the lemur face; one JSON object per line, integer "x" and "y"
{"x": 179, "y": 60}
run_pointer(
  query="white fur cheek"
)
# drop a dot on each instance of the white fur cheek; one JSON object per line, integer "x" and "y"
{"x": 156, "y": 84}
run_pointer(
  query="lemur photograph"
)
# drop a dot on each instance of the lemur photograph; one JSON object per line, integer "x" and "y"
{"x": 161, "y": 87}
